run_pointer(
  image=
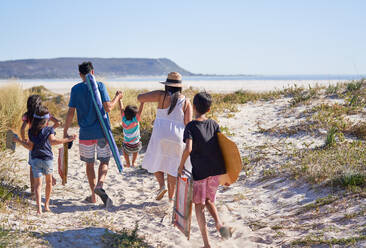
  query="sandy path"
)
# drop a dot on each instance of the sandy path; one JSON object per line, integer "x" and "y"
{"x": 263, "y": 211}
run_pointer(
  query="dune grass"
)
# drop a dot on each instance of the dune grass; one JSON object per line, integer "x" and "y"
{"x": 337, "y": 164}
{"x": 12, "y": 105}
{"x": 314, "y": 240}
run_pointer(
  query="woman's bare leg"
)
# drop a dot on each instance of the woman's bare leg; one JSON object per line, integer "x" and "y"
{"x": 160, "y": 178}
{"x": 172, "y": 181}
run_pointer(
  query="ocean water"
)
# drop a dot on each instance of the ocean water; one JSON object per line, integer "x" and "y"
{"x": 208, "y": 83}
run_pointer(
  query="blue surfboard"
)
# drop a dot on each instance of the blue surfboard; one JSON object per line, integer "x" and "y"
{"x": 103, "y": 119}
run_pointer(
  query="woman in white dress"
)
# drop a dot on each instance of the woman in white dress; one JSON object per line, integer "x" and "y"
{"x": 166, "y": 143}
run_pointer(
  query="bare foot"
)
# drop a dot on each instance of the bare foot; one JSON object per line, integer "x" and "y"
{"x": 47, "y": 209}
{"x": 39, "y": 211}
{"x": 90, "y": 199}
{"x": 127, "y": 165}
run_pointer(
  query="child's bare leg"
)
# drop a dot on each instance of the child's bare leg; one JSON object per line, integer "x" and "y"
{"x": 48, "y": 192}
{"x": 134, "y": 157}
{"x": 37, "y": 188}
{"x": 172, "y": 181}
{"x": 31, "y": 178}
{"x": 200, "y": 215}
{"x": 127, "y": 158}
{"x": 53, "y": 181}
{"x": 213, "y": 211}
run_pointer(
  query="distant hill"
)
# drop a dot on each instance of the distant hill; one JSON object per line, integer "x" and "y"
{"x": 68, "y": 67}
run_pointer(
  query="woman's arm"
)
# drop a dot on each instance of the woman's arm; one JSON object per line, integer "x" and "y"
{"x": 22, "y": 130}
{"x": 185, "y": 155}
{"x": 54, "y": 141}
{"x": 152, "y": 96}
{"x": 188, "y": 113}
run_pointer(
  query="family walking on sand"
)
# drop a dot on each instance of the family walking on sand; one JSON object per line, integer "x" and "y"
{"x": 177, "y": 142}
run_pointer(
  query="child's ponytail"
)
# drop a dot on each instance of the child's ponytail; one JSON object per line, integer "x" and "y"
{"x": 40, "y": 118}
{"x": 33, "y": 102}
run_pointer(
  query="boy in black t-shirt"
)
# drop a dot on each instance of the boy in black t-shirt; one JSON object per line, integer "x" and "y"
{"x": 200, "y": 136}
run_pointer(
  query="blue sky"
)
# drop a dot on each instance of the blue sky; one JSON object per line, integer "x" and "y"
{"x": 223, "y": 37}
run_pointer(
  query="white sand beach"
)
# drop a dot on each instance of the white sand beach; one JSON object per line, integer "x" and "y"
{"x": 264, "y": 211}
{"x": 64, "y": 86}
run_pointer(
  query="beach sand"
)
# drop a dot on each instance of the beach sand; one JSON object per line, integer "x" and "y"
{"x": 264, "y": 211}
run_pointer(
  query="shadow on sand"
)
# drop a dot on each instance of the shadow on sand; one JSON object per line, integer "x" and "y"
{"x": 87, "y": 237}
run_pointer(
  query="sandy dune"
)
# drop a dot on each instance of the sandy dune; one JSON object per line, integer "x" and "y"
{"x": 265, "y": 211}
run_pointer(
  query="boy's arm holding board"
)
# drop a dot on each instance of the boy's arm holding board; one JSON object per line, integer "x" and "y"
{"x": 185, "y": 155}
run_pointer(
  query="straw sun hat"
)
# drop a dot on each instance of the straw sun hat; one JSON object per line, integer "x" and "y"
{"x": 174, "y": 79}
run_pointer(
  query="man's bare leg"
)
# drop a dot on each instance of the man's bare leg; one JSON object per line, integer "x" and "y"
{"x": 102, "y": 174}
{"x": 92, "y": 180}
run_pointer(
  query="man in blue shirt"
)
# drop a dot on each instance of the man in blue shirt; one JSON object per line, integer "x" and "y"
{"x": 91, "y": 134}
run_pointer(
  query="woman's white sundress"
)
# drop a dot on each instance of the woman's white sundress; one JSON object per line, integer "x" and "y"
{"x": 166, "y": 145}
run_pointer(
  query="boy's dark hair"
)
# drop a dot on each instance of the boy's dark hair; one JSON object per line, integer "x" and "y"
{"x": 130, "y": 112}
{"x": 37, "y": 124}
{"x": 202, "y": 102}
{"x": 33, "y": 102}
{"x": 86, "y": 67}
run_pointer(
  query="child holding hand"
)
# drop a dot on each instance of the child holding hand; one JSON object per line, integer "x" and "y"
{"x": 200, "y": 136}
{"x": 131, "y": 131}
{"x": 33, "y": 102}
{"x": 41, "y": 137}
